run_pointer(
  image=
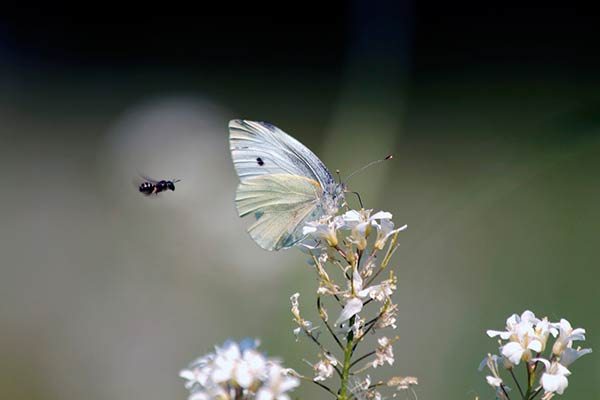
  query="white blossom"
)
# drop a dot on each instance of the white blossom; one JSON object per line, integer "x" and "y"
{"x": 324, "y": 229}
{"x": 525, "y": 335}
{"x": 379, "y": 292}
{"x": 554, "y": 379}
{"x": 522, "y": 337}
{"x": 385, "y": 229}
{"x": 235, "y": 367}
{"x": 295, "y": 304}
{"x": 352, "y": 307}
{"x": 491, "y": 361}
{"x": 403, "y": 382}
{"x": 543, "y": 330}
{"x": 383, "y": 353}
{"x": 361, "y": 223}
{"x": 388, "y": 317}
{"x": 523, "y": 344}
{"x": 512, "y": 324}
{"x": 325, "y": 367}
{"x": 566, "y": 336}
{"x": 570, "y": 355}
{"x": 277, "y": 385}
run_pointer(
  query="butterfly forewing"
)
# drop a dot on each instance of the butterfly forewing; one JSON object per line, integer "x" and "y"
{"x": 259, "y": 148}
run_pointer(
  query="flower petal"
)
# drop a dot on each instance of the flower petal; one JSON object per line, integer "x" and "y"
{"x": 569, "y": 356}
{"x": 352, "y": 307}
{"x": 535, "y": 345}
{"x": 513, "y": 351}
{"x": 381, "y": 215}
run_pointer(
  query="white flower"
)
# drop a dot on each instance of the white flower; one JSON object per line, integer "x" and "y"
{"x": 277, "y": 384}
{"x": 543, "y": 329}
{"x": 324, "y": 229}
{"x": 494, "y": 380}
{"x": 325, "y": 367}
{"x": 383, "y": 353}
{"x": 236, "y": 366}
{"x": 512, "y": 324}
{"x": 403, "y": 383}
{"x": 352, "y": 307}
{"x": 306, "y": 329}
{"x": 491, "y": 361}
{"x": 225, "y": 362}
{"x": 295, "y": 304}
{"x": 566, "y": 336}
{"x": 241, "y": 366}
{"x": 522, "y": 335}
{"x": 385, "y": 229}
{"x": 252, "y": 368}
{"x": 198, "y": 372}
{"x": 358, "y": 386}
{"x": 379, "y": 292}
{"x": 570, "y": 355}
{"x": 554, "y": 379}
{"x": 362, "y": 222}
{"x": 372, "y": 395}
{"x": 524, "y": 342}
{"x": 388, "y": 317}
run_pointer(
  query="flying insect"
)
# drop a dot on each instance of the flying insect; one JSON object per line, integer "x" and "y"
{"x": 151, "y": 186}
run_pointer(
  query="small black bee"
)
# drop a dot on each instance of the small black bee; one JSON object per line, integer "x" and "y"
{"x": 151, "y": 186}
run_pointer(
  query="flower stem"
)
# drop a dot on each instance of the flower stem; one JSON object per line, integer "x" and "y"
{"x": 320, "y": 309}
{"x": 530, "y": 379}
{"x": 517, "y": 383}
{"x": 504, "y": 391}
{"x": 319, "y": 384}
{"x": 343, "y": 395}
{"x": 535, "y": 393}
{"x": 362, "y": 358}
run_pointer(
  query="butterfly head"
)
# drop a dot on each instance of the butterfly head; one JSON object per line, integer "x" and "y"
{"x": 333, "y": 198}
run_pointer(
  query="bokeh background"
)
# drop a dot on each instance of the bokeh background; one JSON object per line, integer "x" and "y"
{"x": 492, "y": 114}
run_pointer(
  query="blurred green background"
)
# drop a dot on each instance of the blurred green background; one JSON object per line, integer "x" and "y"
{"x": 493, "y": 117}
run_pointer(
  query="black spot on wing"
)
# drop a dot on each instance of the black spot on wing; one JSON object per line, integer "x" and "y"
{"x": 260, "y": 161}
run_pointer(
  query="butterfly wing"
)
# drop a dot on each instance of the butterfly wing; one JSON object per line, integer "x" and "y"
{"x": 282, "y": 182}
{"x": 259, "y": 148}
{"x": 281, "y": 203}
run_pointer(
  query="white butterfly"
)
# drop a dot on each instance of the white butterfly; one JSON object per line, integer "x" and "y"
{"x": 283, "y": 183}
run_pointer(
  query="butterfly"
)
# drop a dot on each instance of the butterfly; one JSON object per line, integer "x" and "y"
{"x": 282, "y": 183}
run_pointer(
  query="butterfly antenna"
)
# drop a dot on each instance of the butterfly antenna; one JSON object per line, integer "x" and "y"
{"x": 375, "y": 162}
{"x": 337, "y": 172}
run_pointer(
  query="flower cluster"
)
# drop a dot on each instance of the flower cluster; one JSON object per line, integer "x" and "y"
{"x": 349, "y": 254}
{"x": 524, "y": 341}
{"x": 238, "y": 371}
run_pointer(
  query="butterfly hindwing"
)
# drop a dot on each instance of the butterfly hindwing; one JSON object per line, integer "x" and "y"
{"x": 280, "y": 202}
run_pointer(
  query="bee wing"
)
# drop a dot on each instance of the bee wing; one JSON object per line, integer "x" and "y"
{"x": 147, "y": 179}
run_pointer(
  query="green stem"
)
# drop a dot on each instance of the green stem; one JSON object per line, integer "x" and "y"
{"x": 530, "y": 379}
{"x": 344, "y": 395}
{"x": 517, "y": 383}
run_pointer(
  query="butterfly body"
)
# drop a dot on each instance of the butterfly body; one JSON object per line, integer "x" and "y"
{"x": 282, "y": 183}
